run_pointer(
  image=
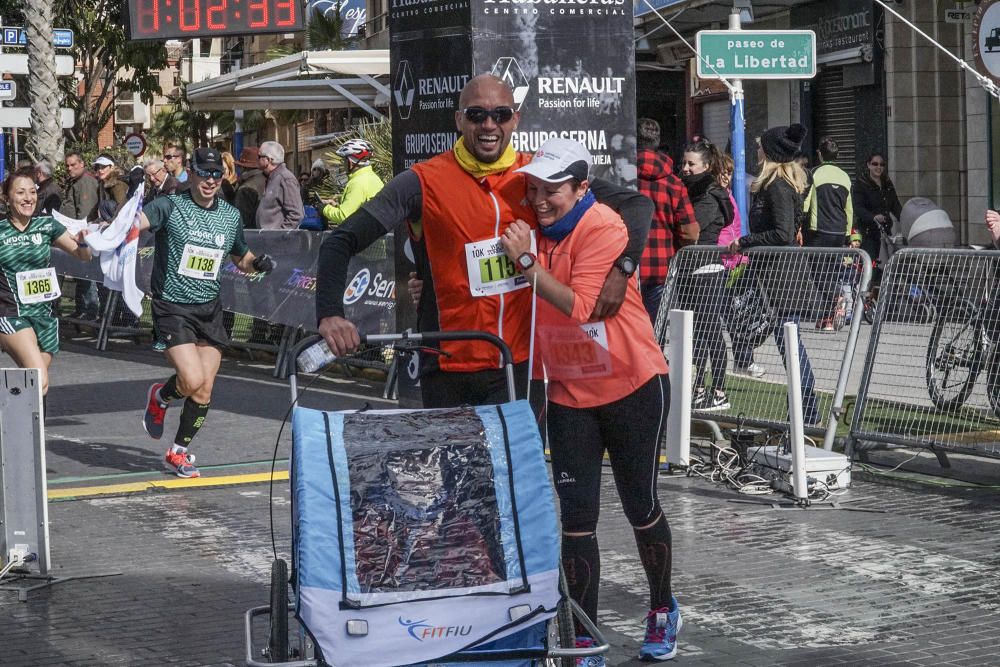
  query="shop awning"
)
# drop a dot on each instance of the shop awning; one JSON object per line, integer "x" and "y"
{"x": 304, "y": 80}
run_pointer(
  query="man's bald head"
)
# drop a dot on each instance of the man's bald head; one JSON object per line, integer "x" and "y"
{"x": 485, "y": 85}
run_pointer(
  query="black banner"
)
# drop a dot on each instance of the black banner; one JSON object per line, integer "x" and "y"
{"x": 288, "y": 294}
{"x": 572, "y": 68}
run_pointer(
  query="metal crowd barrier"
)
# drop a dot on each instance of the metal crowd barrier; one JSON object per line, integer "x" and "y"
{"x": 740, "y": 304}
{"x": 932, "y": 374}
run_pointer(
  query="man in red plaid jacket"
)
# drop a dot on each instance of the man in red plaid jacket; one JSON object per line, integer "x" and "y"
{"x": 674, "y": 225}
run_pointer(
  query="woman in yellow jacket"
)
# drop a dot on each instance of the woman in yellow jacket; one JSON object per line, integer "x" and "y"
{"x": 362, "y": 181}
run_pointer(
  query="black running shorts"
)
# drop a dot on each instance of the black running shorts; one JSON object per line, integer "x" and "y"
{"x": 181, "y": 323}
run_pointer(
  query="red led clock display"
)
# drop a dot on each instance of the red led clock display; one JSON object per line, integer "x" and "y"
{"x": 181, "y": 19}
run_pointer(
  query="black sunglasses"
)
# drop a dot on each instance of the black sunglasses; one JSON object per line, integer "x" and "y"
{"x": 479, "y": 114}
{"x": 208, "y": 173}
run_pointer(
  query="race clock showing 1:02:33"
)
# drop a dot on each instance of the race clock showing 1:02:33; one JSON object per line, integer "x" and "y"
{"x": 183, "y": 19}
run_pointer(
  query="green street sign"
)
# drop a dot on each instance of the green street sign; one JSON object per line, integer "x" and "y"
{"x": 757, "y": 54}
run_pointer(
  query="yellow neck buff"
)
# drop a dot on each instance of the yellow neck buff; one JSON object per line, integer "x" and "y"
{"x": 478, "y": 169}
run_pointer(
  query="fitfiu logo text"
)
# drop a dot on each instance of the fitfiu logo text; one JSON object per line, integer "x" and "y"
{"x": 422, "y": 630}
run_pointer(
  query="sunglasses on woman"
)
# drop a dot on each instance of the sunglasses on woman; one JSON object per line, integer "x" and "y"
{"x": 478, "y": 115}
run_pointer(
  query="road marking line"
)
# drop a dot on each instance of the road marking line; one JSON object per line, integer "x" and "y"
{"x": 175, "y": 483}
{"x": 314, "y": 389}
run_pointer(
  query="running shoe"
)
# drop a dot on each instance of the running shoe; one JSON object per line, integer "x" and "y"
{"x": 592, "y": 661}
{"x": 159, "y": 345}
{"x": 825, "y": 325}
{"x": 662, "y": 626}
{"x": 180, "y": 464}
{"x": 156, "y": 412}
{"x": 700, "y": 399}
{"x": 754, "y": 370}
{"x": 716, "y": 401}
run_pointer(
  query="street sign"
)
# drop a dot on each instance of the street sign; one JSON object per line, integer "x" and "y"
{"x": 17, "y": 63}
{"x": 8, "y": 90}
{"x": 62, "y": 38}
{"x": 959, "y": 15}
{"x": 757, "y": 54}
{"x": 135, "y": 144}
{"x": 21, "y": 117}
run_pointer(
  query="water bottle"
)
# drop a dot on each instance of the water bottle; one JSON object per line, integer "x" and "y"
{"x": 315, "y": 357}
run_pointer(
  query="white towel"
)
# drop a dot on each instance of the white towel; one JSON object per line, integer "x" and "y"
{"x": 118, "y": 247}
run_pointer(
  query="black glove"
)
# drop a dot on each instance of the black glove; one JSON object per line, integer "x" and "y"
{"x": 263, "y": 264}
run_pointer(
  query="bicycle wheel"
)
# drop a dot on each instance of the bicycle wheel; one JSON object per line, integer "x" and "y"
{"x": 564, "y": 621}
{"x": 993, "y": 383}
{"x": 277, "y": 643}
{"x": 955, "y": 355}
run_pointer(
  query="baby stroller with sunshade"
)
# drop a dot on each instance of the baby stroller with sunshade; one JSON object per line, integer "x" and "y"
{"x": 922, "y": 224}
{"x": 420, "y": 536}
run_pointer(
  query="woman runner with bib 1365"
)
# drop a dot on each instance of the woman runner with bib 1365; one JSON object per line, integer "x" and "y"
{"x": 194, "y": 232}
{"x": 607, "y": 383}
{"x": 29, "y": 332}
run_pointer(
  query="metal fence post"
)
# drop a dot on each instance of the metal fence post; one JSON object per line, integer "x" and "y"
{"x": 679, "y": 418}
{"x": 796, "y": 432}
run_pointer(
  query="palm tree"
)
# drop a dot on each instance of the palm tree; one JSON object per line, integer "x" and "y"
{"x": 46, "y": 126}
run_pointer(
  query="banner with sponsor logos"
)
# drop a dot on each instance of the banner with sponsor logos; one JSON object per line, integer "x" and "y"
{"x": 572, "y": 67}
{"x": 571, "y": 64}
{"x": 288, "y": 294}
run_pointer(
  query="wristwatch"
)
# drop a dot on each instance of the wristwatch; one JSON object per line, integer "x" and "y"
{"x": 626, "y": 265}
{"x": 525, "y": 261}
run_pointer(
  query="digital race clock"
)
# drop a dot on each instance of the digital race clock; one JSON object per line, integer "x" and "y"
{"x": 181, "y": 19}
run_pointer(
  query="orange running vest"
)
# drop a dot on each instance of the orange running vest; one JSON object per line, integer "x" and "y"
{"x": 458, "y": 210}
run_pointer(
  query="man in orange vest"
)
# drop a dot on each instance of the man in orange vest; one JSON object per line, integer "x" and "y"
{"x": 458, "y": 204}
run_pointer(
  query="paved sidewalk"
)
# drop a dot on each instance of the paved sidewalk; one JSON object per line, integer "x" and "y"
{"x": 914, "y": 585}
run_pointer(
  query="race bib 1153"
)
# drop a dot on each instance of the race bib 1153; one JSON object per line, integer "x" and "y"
{"x": 490, "y": 270}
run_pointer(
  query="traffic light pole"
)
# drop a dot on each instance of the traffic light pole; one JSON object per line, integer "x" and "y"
{"x": 738, "y": 140}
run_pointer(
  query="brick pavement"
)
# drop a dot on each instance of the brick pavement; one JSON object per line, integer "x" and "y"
{"x": 915, "y": 585}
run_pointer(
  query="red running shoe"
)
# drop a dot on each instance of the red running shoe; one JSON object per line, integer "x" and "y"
{"x": 180, "y": 464}
{"x": 156, "y": 411}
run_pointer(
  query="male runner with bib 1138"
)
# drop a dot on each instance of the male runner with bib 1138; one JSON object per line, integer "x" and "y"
{"x": 28, "y": 286}
{"x": 194, "y": 231}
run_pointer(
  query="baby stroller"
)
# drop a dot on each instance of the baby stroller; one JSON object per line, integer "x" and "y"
{"x": 420, "y": 536}
{"x": 922, "y": 224}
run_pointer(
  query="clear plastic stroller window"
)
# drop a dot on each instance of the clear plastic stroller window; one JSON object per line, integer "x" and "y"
{"x": 423, "y": 502}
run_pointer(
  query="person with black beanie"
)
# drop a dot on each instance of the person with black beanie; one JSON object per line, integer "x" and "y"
{"x": 774, "y": 219}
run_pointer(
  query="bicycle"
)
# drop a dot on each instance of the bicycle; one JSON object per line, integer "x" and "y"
{"x": 963, "y": 343}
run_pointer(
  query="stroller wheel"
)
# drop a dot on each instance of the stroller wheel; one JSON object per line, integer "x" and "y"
{"x": 277, "y": 643}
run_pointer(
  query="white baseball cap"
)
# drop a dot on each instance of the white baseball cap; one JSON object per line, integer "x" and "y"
{"x": 104, "y": 162}
{"x": 559, "y": 160}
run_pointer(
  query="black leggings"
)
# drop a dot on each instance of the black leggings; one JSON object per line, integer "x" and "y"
{"x": 629, "y": 430}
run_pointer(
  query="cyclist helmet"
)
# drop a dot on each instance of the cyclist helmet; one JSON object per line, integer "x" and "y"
{"x": 356, "y": 151}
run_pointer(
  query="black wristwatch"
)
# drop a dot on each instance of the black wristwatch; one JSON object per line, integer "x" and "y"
{"x": 525, "y": 261}
{"x": 626, "y": 265}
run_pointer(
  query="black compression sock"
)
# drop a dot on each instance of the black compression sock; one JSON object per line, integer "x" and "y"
{"x": 656, "y": 553}
{"x": 582, "y": 563}
{"x": 169, "y": 392}
{"x": 192, "y": 417}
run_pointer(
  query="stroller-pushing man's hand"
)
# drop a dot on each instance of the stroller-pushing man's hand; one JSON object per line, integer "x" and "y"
{"x": 340, "y": 334}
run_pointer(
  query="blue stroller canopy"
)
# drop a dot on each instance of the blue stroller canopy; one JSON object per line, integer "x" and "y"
{"x": 419, "y": 533}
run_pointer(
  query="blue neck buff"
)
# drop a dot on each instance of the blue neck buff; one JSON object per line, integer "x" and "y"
{"x": 561, "y": 228}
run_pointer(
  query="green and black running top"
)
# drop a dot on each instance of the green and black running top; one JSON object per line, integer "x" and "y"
{"x": 24, "y": 260}
{"x": 192, "y": 245}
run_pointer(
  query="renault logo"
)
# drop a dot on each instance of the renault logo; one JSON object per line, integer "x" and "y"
{"x": 403, "y": 89}
{"x": 510, "y": 72}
